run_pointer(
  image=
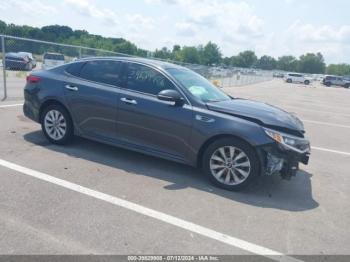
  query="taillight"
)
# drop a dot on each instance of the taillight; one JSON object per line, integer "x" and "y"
{"x": 33, "y": 79}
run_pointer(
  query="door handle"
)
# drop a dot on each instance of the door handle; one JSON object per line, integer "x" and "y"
{"x": 128, "y": 101}
{"x": 72, "y": 88}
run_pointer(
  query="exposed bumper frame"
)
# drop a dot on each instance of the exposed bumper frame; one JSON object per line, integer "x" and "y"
{"x": 275, "y": 159}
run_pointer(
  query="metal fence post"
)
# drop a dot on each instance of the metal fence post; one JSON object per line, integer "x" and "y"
{"x": 4, "y": 66}
{"x": 80, "y": 53}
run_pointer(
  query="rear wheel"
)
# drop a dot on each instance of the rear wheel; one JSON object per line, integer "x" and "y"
{"x": 231, "y": 163}
{"x": 57, "y": 124}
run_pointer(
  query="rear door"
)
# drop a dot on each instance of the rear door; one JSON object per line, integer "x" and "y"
{"x": 299, "y": 78}
{"x": 92, "y": 92}
{"x": 147, "y": 123}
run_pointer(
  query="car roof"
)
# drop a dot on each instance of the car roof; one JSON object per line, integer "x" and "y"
{"x": 14, "y": 54}
{"x": 147, "y": 61}
{"x": 50, "y": 53}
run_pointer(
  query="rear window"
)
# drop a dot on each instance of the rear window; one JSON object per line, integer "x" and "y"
{"x": 54, "y": 57}
{"x": 296, "y": 75}
{"x": 15, "y": 58}
{"x": 74, "y": 69}
{"x": 103, "y": 71}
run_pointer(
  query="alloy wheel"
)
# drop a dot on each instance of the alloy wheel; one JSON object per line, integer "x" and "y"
{"x": 230, "y": 165}
{"x": 55, "y": 125}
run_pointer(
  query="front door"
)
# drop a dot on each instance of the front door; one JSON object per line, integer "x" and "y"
{"x": 147, "y": 123}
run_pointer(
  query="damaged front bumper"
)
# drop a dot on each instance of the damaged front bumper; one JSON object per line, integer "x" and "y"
{"x": 278, "y": 160}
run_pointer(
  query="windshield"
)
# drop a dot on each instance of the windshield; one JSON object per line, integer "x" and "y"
{"x": 198, "y": 85}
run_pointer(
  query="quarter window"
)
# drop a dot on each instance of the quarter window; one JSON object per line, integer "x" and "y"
{"x": 146, "y": 80}
{"x": 104, "y": 71}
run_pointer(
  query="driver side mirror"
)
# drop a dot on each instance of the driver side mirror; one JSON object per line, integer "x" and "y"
{"x": 171, "y": 95}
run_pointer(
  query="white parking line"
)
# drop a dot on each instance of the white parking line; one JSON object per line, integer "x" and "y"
{"x": 331, "y": 150}
{"x": 11, "y": 105}
{"x": 227, "y": 239}
{"x": 324, "y": 123}
{"x": 315, "y": 110}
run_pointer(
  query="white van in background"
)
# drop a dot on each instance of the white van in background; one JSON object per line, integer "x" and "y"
{"x": 296, "y": 78}
{"x": 51, "y": 60}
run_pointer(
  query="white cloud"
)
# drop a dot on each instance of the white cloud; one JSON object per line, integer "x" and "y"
{"x": 87, "y": 8}
{"x": 324, "y": 33}
{"x": 139, "y": 22}
{"x": 185, "y": 29}
{"x": 232, "y": 25}
{"x": 30, "y": 7}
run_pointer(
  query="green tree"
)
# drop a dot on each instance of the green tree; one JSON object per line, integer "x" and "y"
{"x": 244, "y": 59}
{"x": 188, "y": 54}
{"x": 287, "y": 63}
{"x": 3, "y": 27}
{"x": 163, "y": 53}
{"x": 226, "y": 61}
{"x": 210, "y": 54}
{"x": 338, "y": 69}
{"x": 266, "y": 62}
{"x": 126, "y": 48}
{"x": 311, "y": 63}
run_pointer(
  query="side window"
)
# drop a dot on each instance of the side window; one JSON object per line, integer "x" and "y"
{"x": 146, "y": 80}
{"x": 74, "y": 69}
{"x": 103, "y": 71}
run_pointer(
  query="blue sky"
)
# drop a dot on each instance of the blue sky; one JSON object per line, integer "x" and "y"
{"x": 272, "y": 27}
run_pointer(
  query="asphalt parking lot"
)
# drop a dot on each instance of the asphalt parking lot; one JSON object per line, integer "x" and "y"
{"x": 307, "y": 215}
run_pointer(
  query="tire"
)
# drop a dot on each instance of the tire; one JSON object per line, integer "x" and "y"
{"x": 347, "y": 86}
{"x": 56, "y": 130}
{"x": 306, "y": 82}
{"x": 289, "y": 81}
{"x": 328, "y": 84}
{"x": 237, "y": 181}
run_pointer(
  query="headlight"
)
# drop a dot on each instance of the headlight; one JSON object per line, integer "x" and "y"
{"x": 294, "y": 143}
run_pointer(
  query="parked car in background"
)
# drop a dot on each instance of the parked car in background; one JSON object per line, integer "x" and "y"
{"x": 30, "y": 56}
{"x": 278, "y": 75}
{"x": 296, "y": 78}
{"x": 167, "y": 111}
{"x": 51, "y": 60}
{"x": 15, "y": 61}
{"x": 330, "y": 80}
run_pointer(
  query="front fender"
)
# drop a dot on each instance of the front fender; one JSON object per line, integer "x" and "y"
{"x": 219, "y": 124}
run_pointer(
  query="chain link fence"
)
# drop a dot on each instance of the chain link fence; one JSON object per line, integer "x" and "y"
{"x": 20, "y": 56}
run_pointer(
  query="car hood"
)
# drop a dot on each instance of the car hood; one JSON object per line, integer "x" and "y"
{"x": 261, "y": 113}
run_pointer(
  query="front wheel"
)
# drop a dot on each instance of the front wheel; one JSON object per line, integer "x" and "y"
{"x": 57, "y": 124}
{"x": 289, "y": 81}
{"x": 306, "y": 82}
{"x": 231, "y": 163}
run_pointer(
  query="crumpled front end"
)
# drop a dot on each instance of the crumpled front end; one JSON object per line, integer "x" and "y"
{"x": 277, "y": 159}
